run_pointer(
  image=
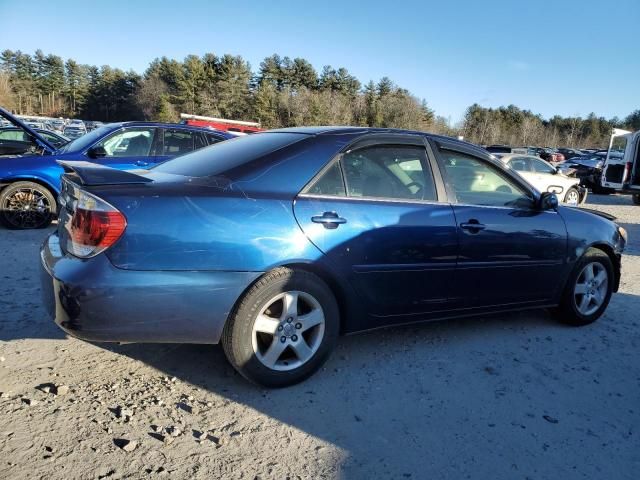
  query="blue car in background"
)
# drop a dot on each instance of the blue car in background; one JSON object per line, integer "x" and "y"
{"x": 273, "y": 244}
{"x": 30, "y": 182}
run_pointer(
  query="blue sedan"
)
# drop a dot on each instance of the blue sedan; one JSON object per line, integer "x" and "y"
{"x": 276, "y": 243}
{"x": 30, "y": 182}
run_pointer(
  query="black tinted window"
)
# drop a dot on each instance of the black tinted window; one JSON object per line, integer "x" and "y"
{"x": 213, "y": 138}
{"x": 228, "y": 154}
{"x": 394, "y": 172}
{"x": 520, "y": 164}
{"x": 177, "y": 142}
{"x": 330, "y": 183}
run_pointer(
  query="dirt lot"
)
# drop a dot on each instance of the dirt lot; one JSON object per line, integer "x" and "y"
{"x": 505, "y": 397}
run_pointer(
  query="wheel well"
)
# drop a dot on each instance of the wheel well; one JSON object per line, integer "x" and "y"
{"x": 615, "y": 260}
{"x": 334, "y": 286}
{"x": 42, "y": 183}
{"x": 332, "y": 283}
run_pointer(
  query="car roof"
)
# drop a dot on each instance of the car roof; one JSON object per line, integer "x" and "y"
{"x": 336, "y": 130}
{"x": 166, "y": 125}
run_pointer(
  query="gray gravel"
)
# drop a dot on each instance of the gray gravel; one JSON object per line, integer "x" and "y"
{"x": 503, "y": 397}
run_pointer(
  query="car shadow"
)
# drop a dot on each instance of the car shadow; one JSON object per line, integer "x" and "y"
{"x": 423, "y": 400}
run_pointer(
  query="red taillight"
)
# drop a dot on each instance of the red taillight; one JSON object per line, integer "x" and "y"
{"x": 94, "y": 226}
{"x": 96, "y": 229}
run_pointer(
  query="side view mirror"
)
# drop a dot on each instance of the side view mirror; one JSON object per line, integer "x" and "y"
{"x": 548, "y": 201}
{"x": 96, "y": 152}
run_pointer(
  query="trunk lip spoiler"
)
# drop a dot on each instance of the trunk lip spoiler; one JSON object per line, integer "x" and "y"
{"x": 95, "y": 174}
{"x": 18, "y": 123}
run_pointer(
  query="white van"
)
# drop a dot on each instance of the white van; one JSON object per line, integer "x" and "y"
{"x": 621, "y": 169}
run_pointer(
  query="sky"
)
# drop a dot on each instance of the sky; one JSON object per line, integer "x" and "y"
{"x": 566, "y": 57}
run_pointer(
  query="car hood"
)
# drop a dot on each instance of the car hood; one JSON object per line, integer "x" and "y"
{"x": 30, "y": 131}
{"x": 608, "y": 216}
{"x": 585, "y": 162}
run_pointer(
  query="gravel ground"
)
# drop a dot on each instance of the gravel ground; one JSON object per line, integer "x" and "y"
{"x": 503, "y": 397}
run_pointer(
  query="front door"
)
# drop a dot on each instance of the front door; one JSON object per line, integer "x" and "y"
{"x": 375, "y": 215}
{"x": 129, "y": 148}
{"x": 510, "y": 251}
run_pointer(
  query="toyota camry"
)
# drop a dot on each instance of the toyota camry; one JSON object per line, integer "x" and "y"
{"x": 275, "y": 244}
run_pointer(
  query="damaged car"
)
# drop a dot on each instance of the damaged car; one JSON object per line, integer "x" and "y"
{"x": 547, "y": 178}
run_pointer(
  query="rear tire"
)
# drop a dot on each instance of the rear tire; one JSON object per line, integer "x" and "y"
{"x": 26, "y": 205}
{"x": 283, "y": 328}
{"x": 635, "y": 198}
{"x": 588, "y": 290}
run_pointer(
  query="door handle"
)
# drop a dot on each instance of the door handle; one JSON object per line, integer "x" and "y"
{"x": 142, "y": 163}
{"x": 473, "y": 225}
{"x": 330, "y": 220}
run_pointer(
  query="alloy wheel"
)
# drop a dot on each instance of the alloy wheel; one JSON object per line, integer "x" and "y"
{"x": 288, "y": 331}
{"x": 26, "y": 208}
{"x": 591, "y": 288}
{"x": 572, "y": 198}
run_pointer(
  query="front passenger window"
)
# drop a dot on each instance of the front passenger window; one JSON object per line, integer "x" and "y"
{"x": 476, "y": 182}
{"x": 132, "y": 142}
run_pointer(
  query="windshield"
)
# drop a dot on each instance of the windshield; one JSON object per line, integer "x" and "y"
{"x": 84, "y": 141}
{"x": 224, "y": 156}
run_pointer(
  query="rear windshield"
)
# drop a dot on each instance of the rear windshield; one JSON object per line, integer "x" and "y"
{"x": 224, "y": 156}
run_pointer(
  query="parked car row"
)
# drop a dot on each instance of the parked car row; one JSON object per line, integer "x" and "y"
{"x": 58, "y": 124}
{"x": 30, "y": 172}
{"x": 546, "y": 153}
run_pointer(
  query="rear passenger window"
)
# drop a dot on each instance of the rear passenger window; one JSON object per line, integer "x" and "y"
{"x": 212, "y": 138}
{"x": 388, "y": 172}
{"x": 177, "y": 142}
{"x": 201, "y": 141}
{"x": 520, "y": 164}
{"x": 330, "y": 183}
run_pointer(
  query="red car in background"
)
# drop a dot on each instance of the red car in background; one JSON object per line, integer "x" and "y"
{"x": 235, "y": 127}
{"x": 551, "y": 155}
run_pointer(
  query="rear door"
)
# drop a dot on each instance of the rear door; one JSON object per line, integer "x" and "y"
{"x": 177, "y": 141}
{"x": 619, "y": 168}
{"x": 510, "y": 253}
{"x": 375, "y": 213}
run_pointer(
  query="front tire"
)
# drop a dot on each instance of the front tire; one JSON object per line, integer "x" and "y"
{"x": 26, "y": 205}
{"x": 283, "y": 329}
{"x": 588, "y": 290}
{"x": 572, "y": 197}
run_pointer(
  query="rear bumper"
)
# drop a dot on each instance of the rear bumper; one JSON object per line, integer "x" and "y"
{"x": 93, "y": 300}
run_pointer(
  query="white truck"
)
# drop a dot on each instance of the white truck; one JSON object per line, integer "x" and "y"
{"x": 622, "y": 172}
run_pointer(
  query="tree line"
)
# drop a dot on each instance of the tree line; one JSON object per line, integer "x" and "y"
{"x": 283, "y": 92}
